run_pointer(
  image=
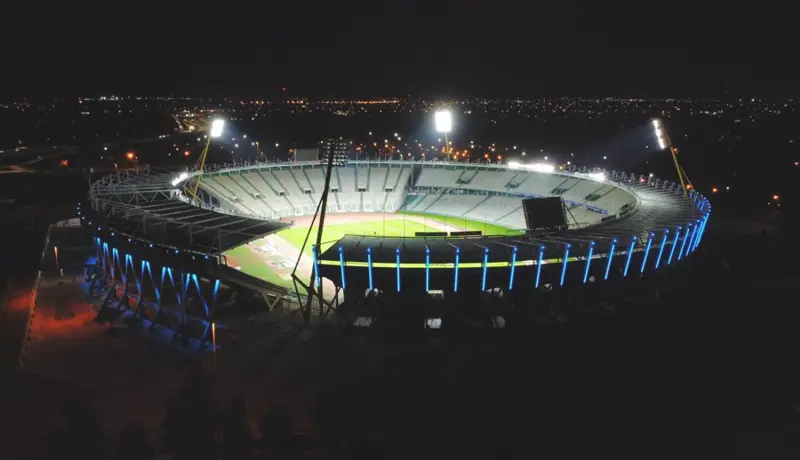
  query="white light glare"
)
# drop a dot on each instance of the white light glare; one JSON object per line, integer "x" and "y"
{"x": 181, "y": 177}
{"x": 660, "y": 135}
{"x": 598, "y": 176}
{"x": 216, "y": 127}
{"x": 443, "y": 120}
{"x": 538, "y": 167}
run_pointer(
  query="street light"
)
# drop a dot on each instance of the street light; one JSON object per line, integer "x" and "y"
{"x": 443, "y": 121}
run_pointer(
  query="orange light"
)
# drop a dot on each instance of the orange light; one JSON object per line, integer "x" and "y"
{"x": 689, "y": 186}
{"x": 186, "y": 153}
{"x": 776, "y": 197}
{"x": 130, "y": 155}
{"x": 64, "y": 163}
{"x": 714, "y": 190}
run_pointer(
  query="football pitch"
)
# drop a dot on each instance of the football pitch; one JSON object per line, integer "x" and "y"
{"x": 272, "y": 268}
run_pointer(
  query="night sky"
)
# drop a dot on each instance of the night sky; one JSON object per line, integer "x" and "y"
{"x": 430, "y": 49}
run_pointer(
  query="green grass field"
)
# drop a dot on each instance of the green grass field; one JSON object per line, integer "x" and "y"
{"x": 252, "y": 265}
{"x": 468, "y": 224}
{"x": 393, "y": 226}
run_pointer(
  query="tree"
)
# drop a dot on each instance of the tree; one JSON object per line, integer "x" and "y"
{"x": 133, "y": 443}
{"x": 277, "y": 430}
{"x": 188, "y": 427}
{"x": 81, "y": 436}
{"x": 236, "y": 435}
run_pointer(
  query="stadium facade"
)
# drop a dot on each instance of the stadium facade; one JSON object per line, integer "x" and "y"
{"x": 621, "y": 226}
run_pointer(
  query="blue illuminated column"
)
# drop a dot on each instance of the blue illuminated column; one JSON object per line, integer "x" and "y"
{"x": 647, "y": 251}
{"x": 661, "y": 249}
{"x": 685, "y": 237}
{"x": 610, "y": 257}
{"x": 427, "y": 269}
{"x": 316, "y": 264}
{"x": 674, "y": 244}
{"x": 700, "y": 232}
{"x": 691, "y": 239}
{"x": 397, "y": 257}
{"x": 455, "y": 277}
{"x": 630, "y": 256}
{"x": 513, "y": 268}
{"x": 564, "y": 263}
{"x": 539, "y": 265}
{"x": 341, "y": 264}
{"x": 588, "y": 261}
{"x": 485, "y": 267}
{"x": 369, "y": 266}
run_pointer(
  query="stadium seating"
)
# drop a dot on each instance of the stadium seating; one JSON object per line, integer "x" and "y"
{"x": 273, "y": 193}
{"x": 491, "y": 195}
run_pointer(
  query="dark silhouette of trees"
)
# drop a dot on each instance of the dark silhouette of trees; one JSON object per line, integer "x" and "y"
{"x": 81, "y": 436}
{"x": 133, "y": 443}
{"x": 236, "y": 435}
{"x": 277, "y": 433}
{"x": 188, "y": 429}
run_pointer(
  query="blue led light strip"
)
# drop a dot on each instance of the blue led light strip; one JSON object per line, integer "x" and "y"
{"x": 674, "y": 245}
{"x": 397, "y": 256}
{"x": 485, "y": 263}
{"x": 341, "y": 265}
{"x": 630, "y": 256}
{"x": 455, "y": 277}
{"x": 588, "y": 261}
{"x": 564, "y": 263}
{"x": 427, "y": 269}
{"x": 513, "y": 268}
{"x": 691, "y": 239}
{"x": 646, "y": 252}
{"x": 683, "y": 242}
{"x": 539, "y": 266}
{"x": 316, "y": 264}
{"x": 610, "y": 257}
{"x": 661, "y": 249}
{"x": 369, "y": 266}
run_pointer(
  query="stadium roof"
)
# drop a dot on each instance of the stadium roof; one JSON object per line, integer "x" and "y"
{"x": 147, "y": 206}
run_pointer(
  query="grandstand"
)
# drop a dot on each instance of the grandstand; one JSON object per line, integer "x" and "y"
{"x": 477, "y": 192}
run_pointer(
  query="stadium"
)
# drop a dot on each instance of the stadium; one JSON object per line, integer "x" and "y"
{"x": 405, "y": 242}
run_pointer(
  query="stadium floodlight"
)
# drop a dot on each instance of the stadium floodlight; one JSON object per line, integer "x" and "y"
{"x": 443, "y": 120}
{"x": 661, "y": 134}
{"x": 664, "y": 142}
{"x": 217, "y": 126}
{"x": 598, "y": 176}
{"x": 541, "y": 167}
{"x": 180, "y": 178}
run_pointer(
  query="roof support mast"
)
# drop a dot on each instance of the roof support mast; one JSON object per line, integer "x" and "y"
{"x": 666, "y": 143}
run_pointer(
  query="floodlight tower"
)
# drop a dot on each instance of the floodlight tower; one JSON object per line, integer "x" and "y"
{"x": 217, "y": 125}
{"x": 664, "y": 142}
{"x": 443, "y": 121}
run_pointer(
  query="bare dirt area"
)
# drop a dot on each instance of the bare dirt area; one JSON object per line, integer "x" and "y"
{"x": 114, "y": 367}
